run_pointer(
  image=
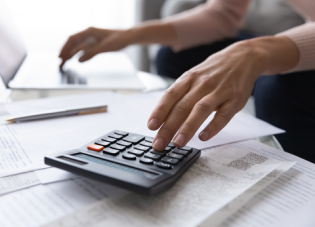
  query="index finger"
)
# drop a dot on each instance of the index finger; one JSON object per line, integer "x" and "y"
{"x": 166, "y": 103}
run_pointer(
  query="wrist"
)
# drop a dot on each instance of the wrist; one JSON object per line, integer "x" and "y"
{"x": 151, "y": 32}
{"x": 255, "y": 55}
{"x": 276, "y": 54}
{"x": 131, "y": 35}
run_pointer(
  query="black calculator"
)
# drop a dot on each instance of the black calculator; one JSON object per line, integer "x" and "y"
{"x": 127, "y": 160}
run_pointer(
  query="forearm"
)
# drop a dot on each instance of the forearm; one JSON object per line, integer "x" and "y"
{"x": 152, "y": 32}
{"x": 279, "y": 54}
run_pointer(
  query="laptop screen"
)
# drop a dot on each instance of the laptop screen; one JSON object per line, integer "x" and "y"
{"x": 12, "y": 50}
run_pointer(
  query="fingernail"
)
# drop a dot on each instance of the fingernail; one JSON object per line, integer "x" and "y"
{"x": 204, "y": 135}
{"x": 153, "y": 124}
{"x": 180, "y": 140}
{"x": 158, "y": 144}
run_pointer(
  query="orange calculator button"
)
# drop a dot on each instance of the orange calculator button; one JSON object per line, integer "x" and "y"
{"x": 95, "y": 147}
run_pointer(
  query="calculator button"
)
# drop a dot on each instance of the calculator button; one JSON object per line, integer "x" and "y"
{"x": 146, "y": 160}
{"x": 153, "y": 156}
{"x": 149, "y": 139}
{"x": 129, "y": 156}
{"x": 133, "y": 139}
{"x": 171, "y": 145}
{"x": 124, "y": 143}
{"x": 108, "y": 139}
{"x": 102, "y": 143}
{"x": 164, "y": 165}
{"x": 143, "y": 148}
{"x": 157, "y": 152}
{"x": 95, "y": 147}
{"x": 118, "y": 147}
{"x": 136, "y": 152}
{"x": 145, "y": 143}
{"x": 116, "y": 136}
{"x": 182, "y": 152}
{"x": 177, "y": 156}
{"x": 121, "y": 133}
{"x": 168, "y": 160}
{"x": 167, "y": 149}
{"x": 186, "y": 148}
{"x": 110, "y": 151}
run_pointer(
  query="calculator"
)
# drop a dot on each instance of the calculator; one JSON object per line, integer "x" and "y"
{"x": 127, "y": 160}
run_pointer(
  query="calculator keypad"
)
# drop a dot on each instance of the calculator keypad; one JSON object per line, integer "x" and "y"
{"x": 136, "y": 147}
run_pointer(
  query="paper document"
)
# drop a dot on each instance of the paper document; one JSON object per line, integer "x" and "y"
{"x": 42, "y": 204}
{"x": 241, "y": 200}
{"x": 218, "y": 177}
{"x": 242, "y": 127}
{"x": 50, "y": 175}
{"x": 289, "y": 201}
{"x": 12, "y": 155}
{"x": 17, "y": 182}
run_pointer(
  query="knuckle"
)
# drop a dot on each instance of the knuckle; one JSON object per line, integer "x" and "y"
{"x": 208, "y": 82}
{"x": 181, "y": 107}
{"x": 171, "y": 93}
{"x": 203, "y": 106}
{"x": 215, "y": 126}
{"x": 165, "y": 130}
{"x": 224, "y": 114}
{"x": 190, "y": 127}
{"x": 237, "y": 93}
{"x": 194, "y": 72}
{"x": 185, "y": 78}
{"x": 160, "y": 109}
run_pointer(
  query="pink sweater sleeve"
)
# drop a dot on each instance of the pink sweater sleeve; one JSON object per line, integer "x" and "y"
{"x": 304, "y": 38}
{"x": 212, "y": 21}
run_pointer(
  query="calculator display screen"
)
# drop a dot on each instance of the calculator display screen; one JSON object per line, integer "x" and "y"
{"x": 115, "y": 165}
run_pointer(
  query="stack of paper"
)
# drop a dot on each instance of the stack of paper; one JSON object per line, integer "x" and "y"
{"x": 278, "y": 199}
{"x": 210, "y": 193}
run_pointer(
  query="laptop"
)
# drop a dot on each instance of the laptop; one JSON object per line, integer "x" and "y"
{"x": 21, "y": 69}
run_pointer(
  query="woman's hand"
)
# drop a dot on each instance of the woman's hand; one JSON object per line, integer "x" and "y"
{"x": 93, "y": 41}
{"x": 222, "y": 83}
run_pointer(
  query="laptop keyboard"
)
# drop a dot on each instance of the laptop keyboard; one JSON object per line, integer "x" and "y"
{"x": 71, "y": 77}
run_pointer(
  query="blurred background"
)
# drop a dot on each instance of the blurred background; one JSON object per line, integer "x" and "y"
{"x": 46, "y": 25}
